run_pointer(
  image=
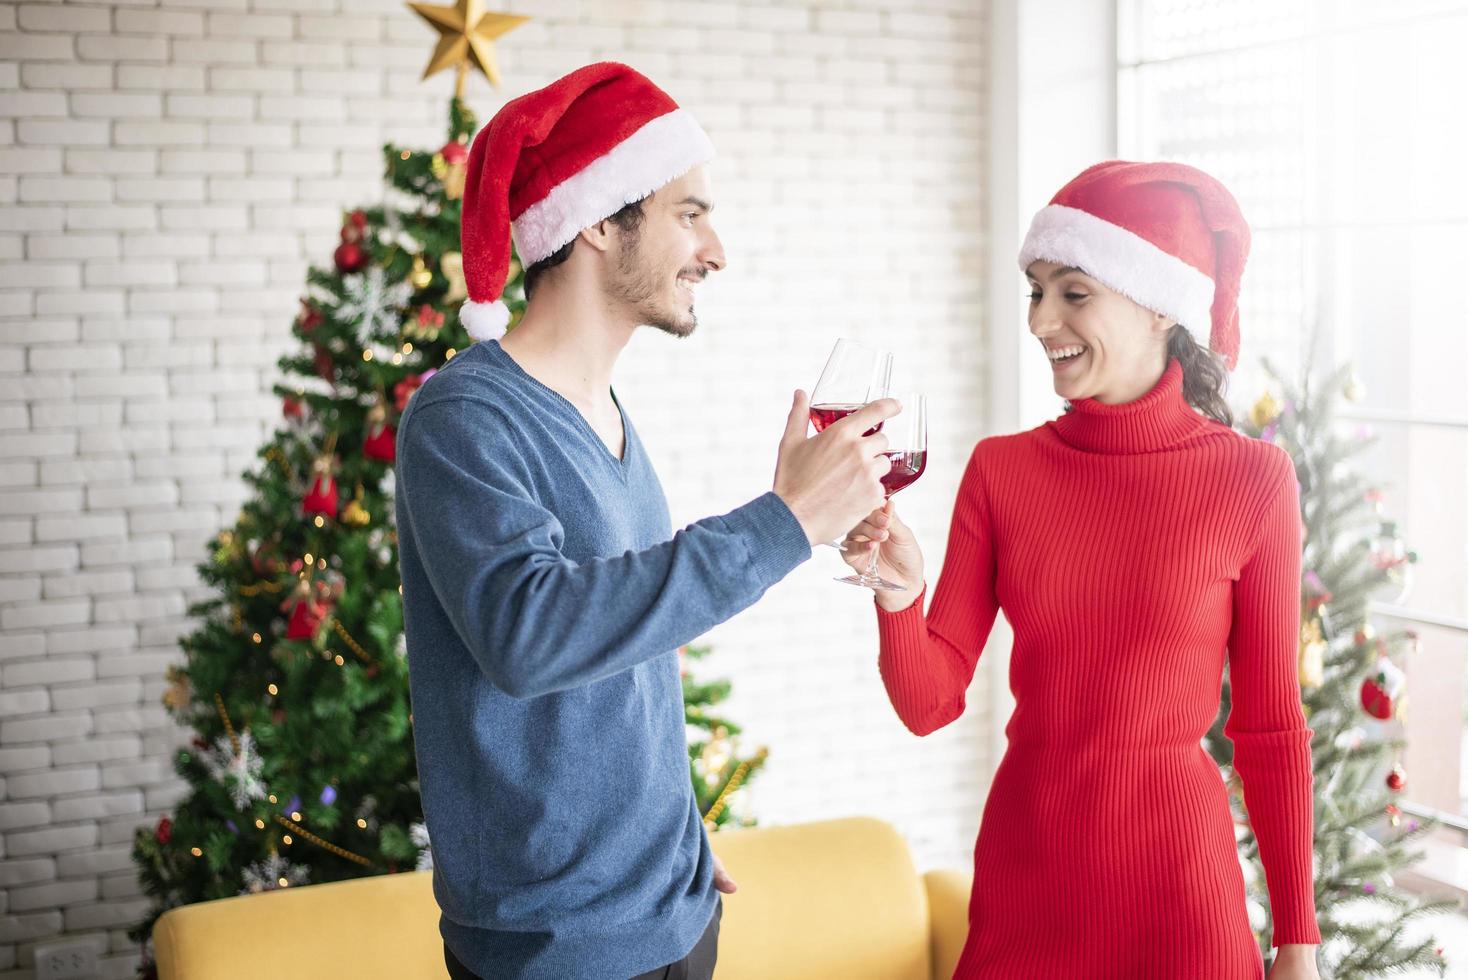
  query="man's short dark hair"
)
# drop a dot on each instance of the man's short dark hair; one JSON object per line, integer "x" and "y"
{"x": 628, "y": 221}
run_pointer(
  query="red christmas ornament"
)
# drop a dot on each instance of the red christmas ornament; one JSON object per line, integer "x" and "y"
{"x": 349, "y": 257}
{"x": 325, "y": 366}
{"x": 381, "y": 444}
{"x": 1396, "y": 780}
{"x": 309, "y": 318}
{"x": 305, "y": 618}
{"x": 404, "y": 389}
{"x": 1380, "y": 690}
{"x": 454, "y": 152}
{"x": 321, "y": 498}
{"x": 292, "y": 409}
{"x": 164, "y": 833}
{"x": 354, "y": 229}
{"x": 278, "y": 716}
{"x": 381, "y": 440}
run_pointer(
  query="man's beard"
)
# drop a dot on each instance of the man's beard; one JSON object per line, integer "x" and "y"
{"x": 637, "y": 286}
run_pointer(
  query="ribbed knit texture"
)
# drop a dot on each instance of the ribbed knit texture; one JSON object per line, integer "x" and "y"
{"x": 1133, "y": 548}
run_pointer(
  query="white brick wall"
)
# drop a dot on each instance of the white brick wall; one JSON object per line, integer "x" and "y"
{"x": 168, "y": 168}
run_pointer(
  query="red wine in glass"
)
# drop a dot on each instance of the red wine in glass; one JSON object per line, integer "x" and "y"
{"x": 907, "y": 466}
{"x": 822, "y": 416}
{"x": 907, "y": 440}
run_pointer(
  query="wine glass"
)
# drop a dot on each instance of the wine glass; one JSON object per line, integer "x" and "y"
{"x": 907, "y": 448}
{"x": 854, "y": 375}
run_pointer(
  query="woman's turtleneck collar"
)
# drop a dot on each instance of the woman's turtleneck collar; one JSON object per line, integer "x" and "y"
{"x": 1161, "y": 419}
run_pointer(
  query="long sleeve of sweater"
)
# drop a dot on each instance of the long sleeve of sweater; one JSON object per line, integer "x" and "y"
{"x": 1266, "y": 723}
{"x": 534, "y": 620}
{"x": 928, "y": 660}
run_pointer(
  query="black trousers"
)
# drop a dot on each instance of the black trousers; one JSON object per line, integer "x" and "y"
{"x": 697, "y": 965}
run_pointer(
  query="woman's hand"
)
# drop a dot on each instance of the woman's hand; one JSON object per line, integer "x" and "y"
{"x": 1294, "y": 961}
{"x": 900, "y": 559}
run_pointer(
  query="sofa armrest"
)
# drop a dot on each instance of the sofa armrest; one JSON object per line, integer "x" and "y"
{"x": 948, "y": 893}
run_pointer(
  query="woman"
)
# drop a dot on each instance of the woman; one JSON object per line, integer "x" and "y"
{"x": 1133, "y": 543}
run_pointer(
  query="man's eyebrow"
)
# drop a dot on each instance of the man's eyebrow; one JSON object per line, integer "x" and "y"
{"x": 697, "y": 202}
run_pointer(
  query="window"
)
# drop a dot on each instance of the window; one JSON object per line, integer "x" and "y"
{"x": 1339, "y": 125}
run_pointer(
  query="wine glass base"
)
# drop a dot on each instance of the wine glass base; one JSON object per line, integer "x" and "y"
{"x": 873, "y": 582}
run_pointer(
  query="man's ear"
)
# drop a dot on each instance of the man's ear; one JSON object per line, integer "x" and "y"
{"x": 598, "y": 236}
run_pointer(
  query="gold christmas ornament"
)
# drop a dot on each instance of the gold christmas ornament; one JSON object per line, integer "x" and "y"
{"x": 452, "y": 267}
{"x": 1312, "y": 655}
{"x": 420, "y": 277}
{"x": 466, "y": 35}
{"x": 356, "y": 515}
{"x": 1265, "y": 410}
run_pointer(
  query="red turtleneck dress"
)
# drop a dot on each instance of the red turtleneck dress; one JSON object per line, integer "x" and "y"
{"x": 1132, "y": 548}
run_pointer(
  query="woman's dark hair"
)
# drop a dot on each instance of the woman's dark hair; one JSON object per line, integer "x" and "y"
{"x": 1204, "y": 375}
{"x": 628, "y": 220}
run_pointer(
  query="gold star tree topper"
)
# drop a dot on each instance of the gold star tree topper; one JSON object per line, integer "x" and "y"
{"x": 466, "y": 35}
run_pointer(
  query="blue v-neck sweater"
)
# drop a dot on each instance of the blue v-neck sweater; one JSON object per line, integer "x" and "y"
{"x": 545, "y": 597}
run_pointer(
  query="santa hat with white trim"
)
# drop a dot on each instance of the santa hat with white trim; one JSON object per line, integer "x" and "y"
{"x": 560, "y": 159}
{"x": 1166, "y": 235}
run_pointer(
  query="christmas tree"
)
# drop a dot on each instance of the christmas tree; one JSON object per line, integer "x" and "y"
{"x": 1352, "y": 689}
{"x": 717, "y": 768}
{"x": 301, "y": 767}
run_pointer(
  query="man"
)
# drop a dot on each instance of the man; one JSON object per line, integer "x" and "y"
{"x": 545, "y": 594}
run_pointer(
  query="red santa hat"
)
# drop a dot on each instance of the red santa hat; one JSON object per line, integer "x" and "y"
{"x": 1166, "y": 235}
{"x": 560, "y": 159}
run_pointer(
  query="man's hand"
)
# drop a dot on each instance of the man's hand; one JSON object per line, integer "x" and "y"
{"x": 832, "y": 480}
{"x": 722, "y": 881}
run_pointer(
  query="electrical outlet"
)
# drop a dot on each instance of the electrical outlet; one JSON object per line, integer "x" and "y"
{"x": 66, "y": 961}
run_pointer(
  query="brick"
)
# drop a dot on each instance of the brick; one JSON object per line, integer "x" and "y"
{"x": 117, "y": 105}
{"x": 113, "y": 48}
{"x": 87, "y": 527}
{"x": 53, "y": 559}
{"x": 27, "y": 872}
{"x": 73, "y": 471}
{"x": 169, "y": 244}
{"x": 162, "y": 133}
{"x": 32, "y": 219}
{"x": 112, "y": 161}
{"x": 36, "y": 925}
{"x": 53, "y": 670}
{"x": 106, "y": 915}
{"x": 27, "y": 702}
{"x": 24, "y": 816}
{"x": 69, "y": 77}
{"x": 92, "y": 640}
{"x": 101, "y": 245}
{"x": 50, "y": 275}
{"x": 130, "y": 775}
{"x": 97, "y": 750}
{"x": 68, "y": 19}
{"x": 71, "y": 415}
{"x": 97, "y": 694}
{"x": 167, "y": 78}
{"x": 16, "y": 645}
{"x": 56, "y": 782}
{"x": 30, "y": 104}
{"x": 152, "y": 273}
{"x": 214, "y": 52}
{"x": 57, "y": 894}
{"x": 211, "y": 107}
{"x": 272, "y": 81}
{"x": 155, "y": 22}
{"x": 136, "y": 549}
{"x": 98, "y": 862}
{"x": 114, "y": 217}
{"x": 36, "y": 47}
{"x": 137, "y": 608}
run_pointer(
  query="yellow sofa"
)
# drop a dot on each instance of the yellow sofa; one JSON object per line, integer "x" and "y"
{"x": 818, "y": 901}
